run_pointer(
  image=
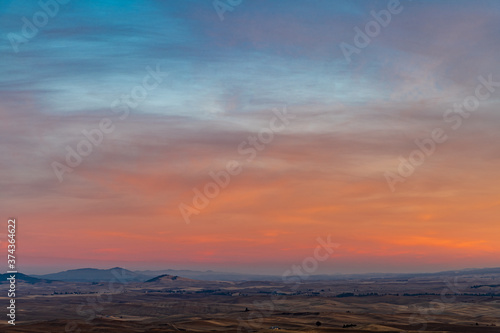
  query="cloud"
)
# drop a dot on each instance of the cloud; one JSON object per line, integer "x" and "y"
{"x": 322, "y": 175}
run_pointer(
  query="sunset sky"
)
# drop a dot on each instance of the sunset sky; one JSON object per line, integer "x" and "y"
{"x": 212, "y": 80}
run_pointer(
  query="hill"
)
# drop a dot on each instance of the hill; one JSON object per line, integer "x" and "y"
{"x": 23, "y": 277}
{"x": 166, "y": 278}
{"x": 95, "y": 275}
{"x": 211, "y": 275}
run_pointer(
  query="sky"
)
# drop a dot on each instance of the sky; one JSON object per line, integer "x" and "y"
{"x": 233, "y": 135}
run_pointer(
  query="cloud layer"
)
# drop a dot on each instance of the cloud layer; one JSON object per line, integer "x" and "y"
{"x": 322, "y": 174}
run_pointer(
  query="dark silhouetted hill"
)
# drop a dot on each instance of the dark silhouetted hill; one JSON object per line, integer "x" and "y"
{"x": 23, "y": 277}
{"x": 96, "y": 275}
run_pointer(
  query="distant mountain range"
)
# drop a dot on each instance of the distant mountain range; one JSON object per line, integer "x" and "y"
{"x": 169, "y": 278}
{"x": 100, "y": 275}
{"x": 25, "y": 278}
{"x": 95, "y": 275}
{"x": 211, "y": 275}
{"x": 125, "y": 275}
